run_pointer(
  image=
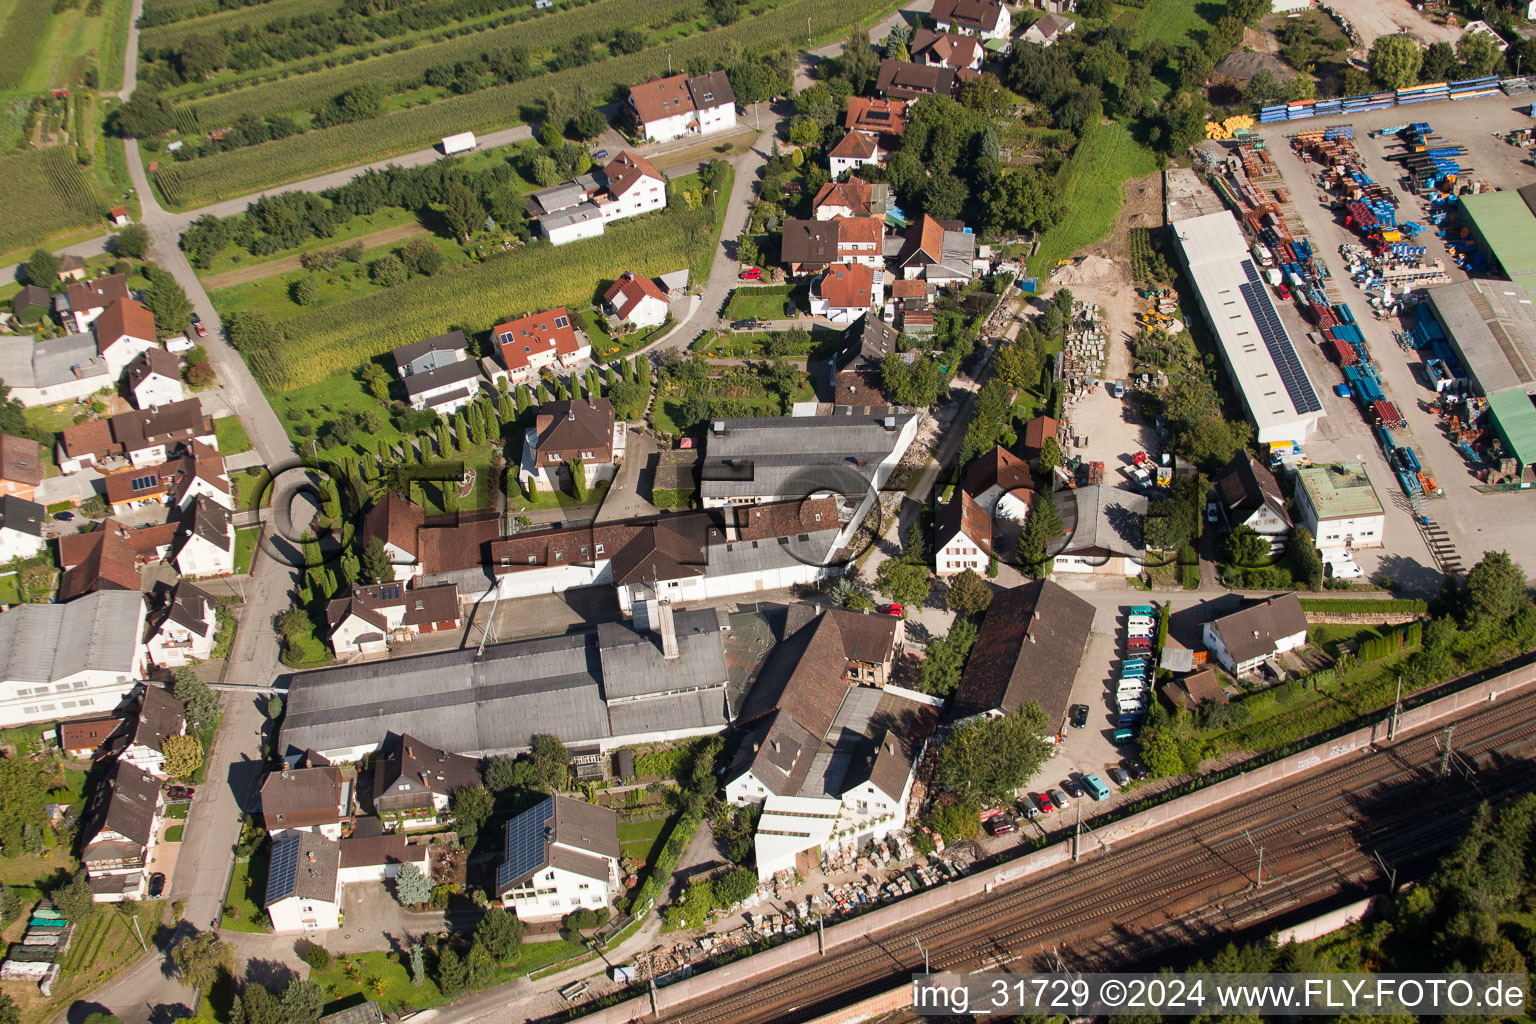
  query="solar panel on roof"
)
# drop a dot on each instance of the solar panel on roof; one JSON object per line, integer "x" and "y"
{"x": 284, "y": 868}
{"x": 1297, "y": 386}
{"x": 525, "y": 842}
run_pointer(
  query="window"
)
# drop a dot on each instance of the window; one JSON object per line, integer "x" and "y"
{"x": 506, "y": 337}
{"x": 533, "y": 559}
{"x": 599, "y": 549}
{"x": 586, "y": 455}
{"x": 554, "y": 456}
{"x": 561, "y": 321}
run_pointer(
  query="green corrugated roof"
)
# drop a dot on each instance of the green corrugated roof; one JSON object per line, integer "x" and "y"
{"x": 1507, "y": 225}
{"x": 1515, "y": 419}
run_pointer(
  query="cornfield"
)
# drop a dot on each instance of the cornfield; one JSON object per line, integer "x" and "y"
{"x": 18, "y": 41}
{"x": 240, "y": 171}
{"x": 44, "y": 193}
{"x": 186, "y": 120}
{"x": 172, "y": 33}
{"x": 474, "y": 297}
{"x": 168, "y": 180}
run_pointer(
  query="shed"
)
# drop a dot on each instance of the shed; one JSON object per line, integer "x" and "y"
{"x": 1514, "y": 421}
{"x": 624, "y": 764}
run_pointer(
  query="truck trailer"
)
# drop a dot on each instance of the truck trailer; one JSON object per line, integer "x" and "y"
{"x": 460, "y": 143}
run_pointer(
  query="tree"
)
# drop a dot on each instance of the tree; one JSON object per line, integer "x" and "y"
{"x": 75, "y": 900}
{"x": 724, "y": 12}
{"x": 944, "y": 196}
{"x": 463, "y": 212}
{"x": 1493, "y": 593}
{"x": 1308, "y": 563}
{"x": 1021, "y": 199}
{"x": 377, "y": 566}
{"x": 1479, "y": 54}
{"x": 1050, "y": 455}
{"x": 968, "y": 594}
{"x": 411, "y": 887}
{"x": 578, "y": 471}
{"x": 1195, "y": 67}
{"x": 452, "y": 974}
{"x": 501, "y": 773}
{"x": 10, "y": 906}
{"x": 1015, "y": 365}
{"x": 469, "y": 807}
{"x": 501, "y": 933}
{"x": 387, "y": 271}
{"x": 1042, "y": 525}
{"x": 132, "y": 241}
{"x": 990, "y": 758}
{"x": 318, "y": 957}
{"x": 859, "y": 63}
{"x": 903, "y": 582}
{"x": 421, "y": 256}
{"x": 1439, "y": 63}
{"x": 201, "y": 55}
{"x": 1245, "y": 548}
{"x": 199, "y": 700}
{"x": 201, "y": 958}
{"x": 167, "y": 301}
{"x": 43, "y": 268}
{"x": 944, "y": 661}
{"x": 418, "y": 964}
{"x": 589, "y": 124}
{"x": 183, "y": 756}
{"x": 1395, "y": 61}
{"x": 548, "y": 764}
{"x": 305, "y": 291}
{"x": 480, "y": 966}
{"x": 303, "y": 1001}
{"x": 735, "y": 886}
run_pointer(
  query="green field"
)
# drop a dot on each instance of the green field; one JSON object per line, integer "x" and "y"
{"x": 380, "y": 976}
{"x": 1089, "y": 184}
{"x": 1175, "y": 22}
{"x": 57, "y": 196}
{"x": 230, "y": 435}
{"x": 26, "y": 22}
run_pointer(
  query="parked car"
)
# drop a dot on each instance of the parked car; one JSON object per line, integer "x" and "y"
{"x": 1045, "y": 802}
{"x": 1060, "y": 799}
{"x": 752, "y": 274}
{"x": 1210, "y": 511}
{"x": 1001, "y": 824}
{"x": 1028, "y": 809}
{"x": 180, "y": 792}
{"x": 891, "y": 609}
{"x": 197, "y": 325}
{"x": 1095, "y": 786}
{"x": 601, "y": 154}
{"x": 743, "y": 325}
{"x": 1137, "y": 769}
{"x": 1072, "y": 788}
{"x": 63, "y": 517}
{"x": 1079, "y": 715}
{"x": 156, "y": 884}
{"x": 1118, "y": 776}
{"x": 1285, "y": 293}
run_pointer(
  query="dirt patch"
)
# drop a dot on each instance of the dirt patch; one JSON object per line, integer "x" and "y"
{"x": 245, "y": 275}
{"x": 1088, "y": 271}
{"x": 1242, "y": 65}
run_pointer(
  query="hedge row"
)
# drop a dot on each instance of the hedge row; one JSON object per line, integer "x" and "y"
{"x": 1363, "y": 606}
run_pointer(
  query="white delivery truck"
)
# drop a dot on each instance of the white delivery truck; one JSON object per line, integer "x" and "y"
{"x": 460, "y": 143}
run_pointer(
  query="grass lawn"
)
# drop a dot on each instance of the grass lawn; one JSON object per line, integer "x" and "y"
{"x": 310, "y": 652}
{"x": 376, "y": 977}
{"x": 250, "y": 490}
{"x": 178, "y": 811}
{"x": 1175, "y": 22}
{"x": 173, "y": 834}
{"x": 639, "y": 839}
{"x": 247, "y": 889}
{"x": 673, "y": 498}
{"x": 245, "y": 548}
{"x": 10, "y": 588}
{"x": 1329, "y": 637}
{"x": 765, "y": 303}
{"x": 1089, "y": 184}
{"x": 230, "y": 435}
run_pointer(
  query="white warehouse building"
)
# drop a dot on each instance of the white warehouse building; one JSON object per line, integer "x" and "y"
{"x": 1258, "y": 354}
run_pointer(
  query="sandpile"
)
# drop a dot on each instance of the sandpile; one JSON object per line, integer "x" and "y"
{"x": 1087, "y": 271}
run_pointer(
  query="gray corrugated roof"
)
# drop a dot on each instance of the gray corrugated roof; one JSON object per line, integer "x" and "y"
{"x": 40, "y": 643}
{"x": 1107, "y": 519}
{"x": 778, "y": 455}
{"x": 570, "y": 215}
{"x": 702, "y": 710}
{"x": 559, "y": 197}
{"x": 25, "y": 363}
{"x": 633, "y": 665}
{"x": 1493, "y": 325}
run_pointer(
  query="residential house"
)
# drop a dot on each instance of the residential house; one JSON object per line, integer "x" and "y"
{"x": 316, "y": 799}
{"x": 444, "y": 390}
{"x": 946, "y": 49}
{"x": 81, "y": 738}
{"x": 186, "y": 630}
{"x": 885, "y": 119}
{"x": 868, "y": 342}
{"x": 903, "y": 80}
{"x": 941, "y": 252}
{"x": 21, "y": 466}
{"x": 853, "y": 151}
{"x": 535, "y": 342}
{"x": 1048, "y": 29}
{"x": 374, "y": 858}
{"x": 852, "y": 198}
{"x": 413, "y": 783}
{"x": 146, "y": 437}
{"x": 669, "y": 108}
{"x": 30, "y": 304}
{"x": 1106, "y": 538}
{"x": 564, "y": 433}
{"x": 1340, "y": 506}
{"x": 1248, "y": 495}
{"x": 394, "y": 521}
{"x": 1244, "y": 640}
{"x": 636, "y": 299}
{"x": 153, "y": 717}
{"x": 208, "y": 541}
{"x": 984, "y": 514}
{"x": 845, "y": 292}
{"x": 1193, "y": 692}
{"x": 53, "y": 371}
{"x": 200, "y": 473}
{"x": 367, "y": 619}
{"x": 87, "y": 300}
{"x": 1029, "y": 648}
{"x": 71, "y": 268}
{"x": 123, "y": 330}
{"x": 79, "y": 658}
{"x": 154, "y": 378}
{"x": 914, "y": 313}
{"x": 432, "y": 354}
{"x": 118, "y": 831}
{"x": 1001, "y": 483}
{"x": 987, "y": 19}
{"x": 559, "y": 856}
{"x": 21, "y": 528}
{"x": 811, "y": 246}
{"x": 304, "y": 883}
{"x": 626, "y": 186}
{"x": 111, "y": 557}
{"x": 826, "y": 751}
{"x": 1036, "y": 431}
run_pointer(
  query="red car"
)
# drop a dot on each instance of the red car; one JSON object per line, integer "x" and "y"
{"x": 891, "y": 609}
{"x": 1285, "y": 293}
{"x": 197, "y": 325}
{"x": 1044, "y": 800}
{"x": 752, "y": 274}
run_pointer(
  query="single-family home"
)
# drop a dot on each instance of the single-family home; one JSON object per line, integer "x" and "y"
{"x": 963, "y": 536}
{"x": 1001, "y": 483}
{"x": 414, "y": 781}
{"x": 110, "y": 557}
{"x": 1194, "y": 691}
{"x": 123, "y": 330}
{"x": 946, "y": 49}
{"x": 87, "y": 300}
{"x": 1248, "y": 495}
{"x": 1106, "y": 539}
{"x": 1244, "y": 640}
{"x": 432, "y": 354}
{"x": 852, "y": 198}
{"x": 21, "y": 527}
{"x": 559, "y": 856}
{"x": 845, "y": 292}
{"x": 1048, "y": 29}
{"x": 628, "y": 185}
{"x": 82, "y": 738}
{"x": 984, "y": 514}
{"x": 30, "y": 304}
{"x": 564, "y": 433}
{"x": 77, "y": 658}
{"x": 535, "y": 342}
{"x": 854, "y": 150}
{"x": 669, "y": 108}
{"x": 444, "y": 390}
{"x": 988, "y": 19}
{"x": 368, "y": 618}
{"x": 316, "y": 799}
{"x": 631, "y": 186}
{"x": 119, "y": 830}
{"x": 185, "y": 630}
{"x": 811, "y": 246}
{"x": 153, "y": 717}
{"x": 200, "y": 473}
{"x": 21, "y": 466}
{"x": 1036, "y": 432}
{"x": 903, "y": 80}
{"x": 636, "y": 299}
{"x": 52, "y": 371}
{"x": 146, "y": 437}
{"x": 208, "y": 541}
{"x": 914, "y": 308}
{"x": 941, "y": 252}
{"x": 1339, "y": 505}
{"x": 71, "y": 268}
{"x": 374, "y": 858}
{"x": 886, "y": 119}
{"x": 394, "y": 522}
{"x": 304, "y": 883}
{"x": 1029, "y": 648}
{"x": 154, "y": 378}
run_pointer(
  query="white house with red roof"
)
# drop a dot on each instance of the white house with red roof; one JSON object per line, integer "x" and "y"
{"x": 636, "y": 299}
{"x": 854, "y": 151}
{"x": 986, "y": 19}
{"x": 670, "y": 108}
{"x": 540, "y": 341}
{"x": 154, "y": 378}
{"x": 123, "y": 330}
{"x": 87, "y": 299}
{"x": 845, "y": 291}
{"x": 627, "y": 186}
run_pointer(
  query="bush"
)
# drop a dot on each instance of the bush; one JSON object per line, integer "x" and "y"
{"x": 318, "y": 957}
{"x": 955, "y": 822}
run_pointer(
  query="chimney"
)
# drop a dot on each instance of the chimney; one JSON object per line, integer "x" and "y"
{"x": 890, "y": 423}
{"x": 667, "y": 629}
{"x": 311, "y": 856}
{"x": 1255, "y": 634}
{"x": 717, "y": 427}
{"x": 570, "y": 414}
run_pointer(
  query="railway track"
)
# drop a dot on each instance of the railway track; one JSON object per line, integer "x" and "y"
{"x": 1173, "y": 895}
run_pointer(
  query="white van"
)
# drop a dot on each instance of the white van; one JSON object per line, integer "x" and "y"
{"x": 1340, "y": 564}
{"x": 1262, "y": 254}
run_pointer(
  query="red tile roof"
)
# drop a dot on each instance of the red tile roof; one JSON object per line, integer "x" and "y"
{"x": 853, "y": 195}
{"x": 916, "y": 288}
{"x": 151, "y": 360}
{"x": 873, "y": 115}
{"x": 107, "y": 558}
{"x": 661, "y": 98}
{"x": 847, "y": 286}
{"x": 97, "y": 294}
{"x": 20, "y": 460}
{"x": 124, "y": 318}
{"x": 856, "y": 146}
{"x": 860, "y": 231}
{"x": 947, "y": 48}
{"x": 981, "y": 15}
{"x": 628, "y": 291}
{"x": 963, "y": 516}
{"x": 534, "y": 332}
{"x": 1000, "y": 468}
{"x": 629, "y": 169}
{"x": 393, "y": 521}
{"x": 90, "y": 437}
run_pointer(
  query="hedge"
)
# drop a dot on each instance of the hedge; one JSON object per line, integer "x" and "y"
{"x": 1363, "y": 606}
{"x": 659, "y": 874}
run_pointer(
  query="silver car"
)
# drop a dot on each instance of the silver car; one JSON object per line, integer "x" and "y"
{"x": 1060, "y": 799}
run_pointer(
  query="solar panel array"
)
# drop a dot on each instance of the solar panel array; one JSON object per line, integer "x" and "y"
{"x": 283, "y": 871}
{"x": 1280, "y": 348}
{"x": 524, "y": 849}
